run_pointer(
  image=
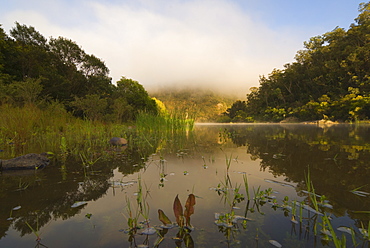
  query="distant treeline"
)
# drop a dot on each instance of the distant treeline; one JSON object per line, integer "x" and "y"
{"x": 329, "y": 80}
{"x": 37, "y": 71}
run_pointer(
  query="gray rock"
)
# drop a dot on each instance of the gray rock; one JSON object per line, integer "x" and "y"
{"x": 28, "y": 161}
{"x": 118, "y": 141}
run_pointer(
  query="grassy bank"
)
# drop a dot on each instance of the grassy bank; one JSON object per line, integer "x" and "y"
{"x": 53, "y": 129}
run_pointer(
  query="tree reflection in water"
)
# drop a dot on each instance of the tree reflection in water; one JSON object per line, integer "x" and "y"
{"x": 337, "y": 158}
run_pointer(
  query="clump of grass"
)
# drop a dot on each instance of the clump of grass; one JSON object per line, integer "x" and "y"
{"x": 140, "y": 209}
{"x": 164, "y": 125}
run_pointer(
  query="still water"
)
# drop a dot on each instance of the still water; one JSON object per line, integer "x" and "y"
{"x": 215, "y": 163}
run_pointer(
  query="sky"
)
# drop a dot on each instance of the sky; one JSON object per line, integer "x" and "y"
{"x": 223, "y": 45}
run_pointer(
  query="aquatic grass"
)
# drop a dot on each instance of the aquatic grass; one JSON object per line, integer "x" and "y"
{"x": 245, "y": 180}
{"x": 365, "y": 233}
{"x": 35, "y": 231}
{"x": 141, "y": 208}
{"x": 30, "y": 129}
{"x": 88, "y": 159}
{"x": 311, "y": 191}
{"x": 226, "y": 221}
{"x": 142, "y": 202}
{"x": 168, "y": 124}
{"x": 339, "y": 243}
{"x": 132, "y": 219}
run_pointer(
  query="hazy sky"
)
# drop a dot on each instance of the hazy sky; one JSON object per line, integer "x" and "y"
{"x": 221, "y": 44}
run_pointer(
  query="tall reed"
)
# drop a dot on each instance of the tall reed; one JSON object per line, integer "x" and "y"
{"x": 168, "y": 124}
{"x": 30, "y": 129}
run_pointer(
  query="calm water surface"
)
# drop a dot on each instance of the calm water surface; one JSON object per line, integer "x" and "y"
{"x": 270, "y": 156}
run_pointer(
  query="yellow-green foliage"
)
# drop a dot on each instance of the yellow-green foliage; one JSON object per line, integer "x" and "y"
{"x": 30, "y": 129}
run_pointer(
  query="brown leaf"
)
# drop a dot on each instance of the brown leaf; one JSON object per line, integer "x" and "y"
{"x": 189, "y": 208}
{"x": 163, "y": 218}
{"x": 177, "y": 209}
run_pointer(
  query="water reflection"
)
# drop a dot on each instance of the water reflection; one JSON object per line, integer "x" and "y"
{"x": 48, "y": 194}
{"x": 336, "y": 157}
{"x": 216, "y": 157}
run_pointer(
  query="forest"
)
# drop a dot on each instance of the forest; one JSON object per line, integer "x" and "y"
{"x": 58, "y": 72}
{"x": 330, "y": 80}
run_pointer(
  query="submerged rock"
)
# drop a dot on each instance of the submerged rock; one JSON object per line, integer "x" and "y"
{"x": 115, "y": 141}
{"x": 28, "y": 161}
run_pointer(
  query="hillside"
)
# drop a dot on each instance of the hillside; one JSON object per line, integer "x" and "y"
{"x": 205, "y": 105}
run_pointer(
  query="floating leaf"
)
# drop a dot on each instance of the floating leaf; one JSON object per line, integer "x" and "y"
{"x": 326, "y": 205}
{"x": 281, "y": 183}
{"x": 310, "y": 193}
{"x": 142, "y": 246}
{"x": 149, "y": 231}
{"x": 177, "y": 209}
{"x": 308, "y": 208}
{"x": 17, "y": 208}
{"x": 239, "y": 217}
{"x": 78, "y": 204}
{"x": 163, "y": 218}
{"x": 326, "y": 232}
{"x": 345, "y": 229}
{"x": 217, "y": 216}
{"x": 168, "y": 226}
{"x": 293, "y": 220}
{"x": 360, "y": 193}
{"x": 364, "y": 232}
{"x": 88, "y": 215}
{"x": 224, "y": 224}
{"x": 275, "y": 243}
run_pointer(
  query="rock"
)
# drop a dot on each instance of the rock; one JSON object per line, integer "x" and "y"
{"x": 28, "y": 161}
{"x": 118, "y": 141}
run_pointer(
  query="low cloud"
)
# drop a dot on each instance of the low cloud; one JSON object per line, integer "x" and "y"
{"x": 204, "y": 43}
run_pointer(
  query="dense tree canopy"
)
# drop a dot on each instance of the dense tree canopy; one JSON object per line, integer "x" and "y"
{"x": 35, "y": 70}
{"x": 329, "y": 79}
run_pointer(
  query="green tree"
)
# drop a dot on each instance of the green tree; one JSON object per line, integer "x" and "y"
{"x": 328, "y": 66}
{"x": 123, "y": 112}
{"x": 93, "y": 106}
{"x": 237, "y": 112}
{"x": 76, "y": 73}
{"x": 30, "y": 56}
{"x": 136, "y": 96}
{"x": 29, "y": 90}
